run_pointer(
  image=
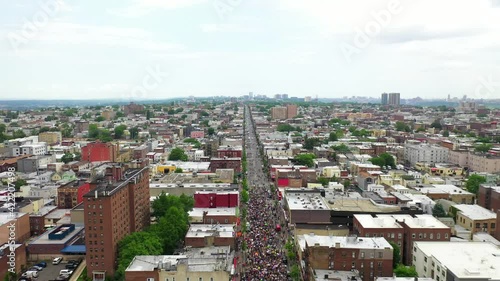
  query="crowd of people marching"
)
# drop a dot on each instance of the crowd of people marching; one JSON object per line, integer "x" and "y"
{"x": 264, "y": 254}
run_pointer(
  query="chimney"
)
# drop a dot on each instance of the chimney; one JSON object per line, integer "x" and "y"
{"x": 337, "y": 245}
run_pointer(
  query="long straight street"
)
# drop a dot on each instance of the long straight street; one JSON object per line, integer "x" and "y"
{"x": 264, "y": 257}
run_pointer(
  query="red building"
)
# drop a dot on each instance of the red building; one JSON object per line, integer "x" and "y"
{"x": 489, "y": 197}
{"x": 225, "y": 163}
{"x": 99, "y": 152}
{"x": 116, "y": 206}
{"x": 229, "y": 152}
{"x": 371, "y": 257}
{"x": 197, "y": 134}
{"x": 206, "y": 199}
{"x": 71, "y": 194}
{"x": 402, "y": 230}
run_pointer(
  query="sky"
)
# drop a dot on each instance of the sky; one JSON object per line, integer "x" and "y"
{"x": 158, "y": 49}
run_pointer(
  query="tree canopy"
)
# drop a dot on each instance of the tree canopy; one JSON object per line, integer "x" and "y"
{"x": 177, "y": 154}
{"x": 405, "y": 271}
{"x": 473, "y": 182}
{"x": 306, "y": 159}
{"x": 402, "y": 127}
{"x": 438, "y": 211}
{"x": 119, "y": 131}
{"x": 134, "y": 244}
{"x": 384, "y": 159}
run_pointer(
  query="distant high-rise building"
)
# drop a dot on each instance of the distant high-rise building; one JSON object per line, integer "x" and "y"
{"x": 284, "y": 96}
{"x": 277, "y": 96}
{"x": 291, "y": 111}
{"x": 307, "y": 99}
{"x": 384, "y": 99}
{"x": 279, "y": 112}
{"x": 394, "y": 99}
{"x": 250, "y": 95}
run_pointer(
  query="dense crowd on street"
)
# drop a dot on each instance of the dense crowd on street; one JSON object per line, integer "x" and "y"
{"x": 264, "y": 239}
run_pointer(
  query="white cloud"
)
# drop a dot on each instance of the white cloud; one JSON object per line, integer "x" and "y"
{"x": 218, "y": 27}
{"x": 143, "y": 7}
{"x": 70, "y": 33}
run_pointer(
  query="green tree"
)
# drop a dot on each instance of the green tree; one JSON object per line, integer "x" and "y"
{"x": 379, "y": 161}
{"x": 18, "y": 134}
{"x": 473, "y": 182}
{"x": 402, "y": 127}
{"x": 436, "y": 124}
{"x": 77, "y": 156}
{"x": 178, "y": 170}
{"x": 285, "y": 128}
{"x": 149, "y": 114}
{"x": 446, "y": 133}
{"x": 244, "y": 196}
{"x": 389, "y": 159}
{"x": 211, "y": 131}
{"x": 333, "y": 136}
{"x": 10, "y": 276}
{"x": 310, "y": 143}
{"x": 323, "y": 181}
{"x": 67, "y": 157}
{"x": 119, "y": 131}
{"x": 342, "y": 148}
{"x": 484, "y": 147}
{"x": 405, "y": 271}
{"x": 134, "y": 133}
{"x": 99, "y": 119}
{"x": 177, "y": 154}
{"x": 119, "y": 114}
{"x": 43, "y": 129}
{"x": 396, "y": 254}
{"x": 105, "y": 135}
{"x": 163, "y": 202}
{"x": 347, "y": 183}
{"x": 93, "y": 131}
{"x": 135, "y": 244}
{"x": 438, "y": 211}
{"x": 306, "y": 159}
{"x": 19, "y": 183}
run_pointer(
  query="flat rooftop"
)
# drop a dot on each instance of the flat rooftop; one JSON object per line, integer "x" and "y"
{"x": 306, "y": 201}
{"x": 342, "y": 203}
{"x": 475, "y": 212}
{"x": 337, "y": 275}
{"x": 471, "y": 260}
{"x": 345, "y": 242}
{"x": 206, "y": 259}
{"x": 44, "y": 238}
{"x": 452, "y": 189}
{"x": 198, "y": 212}
{"x": 204, "y": 230}
{"x": 7, "y": 217}
{"x": 368, "y": 221}
{"x": 419, "y": 221}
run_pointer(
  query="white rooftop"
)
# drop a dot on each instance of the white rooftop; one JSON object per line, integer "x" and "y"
{"x": 451, "y": 189}
{"x": 367, "y": 221}
{"x": 475, "y": 212}
{"x": 306, "y": 201}
{"x": 472, "y": 260}
{"x": 345, "y": 242}
{"x": 203, "y": 230}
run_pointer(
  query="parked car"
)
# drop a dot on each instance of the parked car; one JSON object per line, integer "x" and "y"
{"x": 71, "y": 266}
{"x": 30, "y": 274}
{"x": 37, "y": 268}
{"x": 42, "y": 264}
{"x": 65, "y": 271}
{"x": 57, "y": 260}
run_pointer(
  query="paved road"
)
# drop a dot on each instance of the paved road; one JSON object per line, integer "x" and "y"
{"x": 264, "y": 257}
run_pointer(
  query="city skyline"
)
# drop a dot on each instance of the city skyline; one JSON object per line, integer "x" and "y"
{"x": 148, "y": 49}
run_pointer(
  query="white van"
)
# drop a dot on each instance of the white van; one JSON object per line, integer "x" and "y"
{"x": 57, "y": 260}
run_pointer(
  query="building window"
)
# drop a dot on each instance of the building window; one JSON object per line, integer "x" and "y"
{"x": 446, "y": 235}
{"x": 353, "y": 255}
{"x": 477, "y": 225}
{"x": 201, "y": 279}
{"x": 420, "y": 236}
{"x": 413, "y": 235}
{"x": 431, "y": 236}
{"x": 493, "y": 225}
{"x": 439, "y": 236}
{"x": 371, "y": 264}
{"x": 380, "y": 255}
{"x": 362, "y": 255}
{"x": 425, "y": 259}
{"x": 400, "y": 235}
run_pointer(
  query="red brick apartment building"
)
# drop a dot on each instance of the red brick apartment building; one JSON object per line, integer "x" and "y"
{"x": 210, "y": 199}
{"x": 402, "y": 230}
{"x": 71, "y": 194}
{"x": 225, "y": 163}
{"x": 99, "y": 152}
{"x": 372, "y": 257}
{"x": 489, "y": 197}
{"x": 208, "y": 235}
{"x": 116, "y": 206}
{"x": 229, "y": 152}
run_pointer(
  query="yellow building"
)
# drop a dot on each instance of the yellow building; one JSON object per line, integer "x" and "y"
{"x": 331, "y": 171}
{"x": 108, "y": 114}
{"x": 476, "y": 218}
{"x": 165, "y": 169}
{"x": 50, "y": 137}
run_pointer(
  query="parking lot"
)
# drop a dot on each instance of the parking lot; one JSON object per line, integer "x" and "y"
{"x": 51, "y": 272}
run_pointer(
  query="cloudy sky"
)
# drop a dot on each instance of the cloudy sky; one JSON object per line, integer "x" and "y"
{"x": 147, "y": 49}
